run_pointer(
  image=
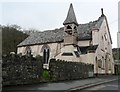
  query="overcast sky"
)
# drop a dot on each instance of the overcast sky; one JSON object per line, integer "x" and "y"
{"x": 47, "y": 15}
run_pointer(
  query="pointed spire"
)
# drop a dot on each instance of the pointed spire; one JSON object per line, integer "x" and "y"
{"x": 70, "y": 16}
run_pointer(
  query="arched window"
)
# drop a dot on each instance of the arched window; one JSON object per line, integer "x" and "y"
{"x": 96, "y": 60}
{"x": 44, "y": 47}
{"x": 69, "y": 30}
{"x": 69, "y": 27}
{"x": 28, "y": 50}
{"x": 46, "y": 53}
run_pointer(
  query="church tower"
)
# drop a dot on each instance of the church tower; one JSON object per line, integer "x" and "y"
{"x": 70, "y": 27}
{"x": 69, "y": 52}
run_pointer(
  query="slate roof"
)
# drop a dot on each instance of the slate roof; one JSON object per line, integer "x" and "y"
{"x": 57, "y": 35}
{"x": 71, "y": 18}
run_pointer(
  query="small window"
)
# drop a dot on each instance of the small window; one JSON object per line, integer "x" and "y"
{"x": 102, "y": 38}
{"x": 68, "y": 27}
{"x": 105, "y": 36}
{"x": 77, "y": 53}
{"x": 75, "y": 28}
{"x": 46, "y": 54}
{"x": 67, "y": 54}
{"x": 100, "y": 63}
{"x": 28, "y": 50}
{"x": 103, "y": 62}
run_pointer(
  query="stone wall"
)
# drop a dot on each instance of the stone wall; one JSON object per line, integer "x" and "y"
{"x": 63, "y": 70}
{"x": 21, "y": 69}
{"x": 17, "y": 69}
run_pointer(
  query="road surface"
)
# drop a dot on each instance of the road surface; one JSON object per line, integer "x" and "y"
{"x": 113, "y": 86}
{"x": 60, "y": 86}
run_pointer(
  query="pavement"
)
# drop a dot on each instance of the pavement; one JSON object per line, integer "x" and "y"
{"x": 104, "y": 80}
{"x": 66, "y": 86}
{"x": 113, "y": 86}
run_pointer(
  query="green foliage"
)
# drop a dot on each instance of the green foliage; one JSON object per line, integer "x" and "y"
{"x": 39, "y": 58}
{"x": 46, "y": 75}
{"x": 11, "y": 37}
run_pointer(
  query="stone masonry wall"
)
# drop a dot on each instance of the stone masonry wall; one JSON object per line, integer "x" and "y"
{"x": 63, "y": 70}
{"x": 21, "y": 69}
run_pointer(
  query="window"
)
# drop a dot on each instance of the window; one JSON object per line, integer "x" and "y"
{"x": 44, "y": 46}
{"x": 103, "y": 62}
{"x": 69, "y": 30}
{"x": 75, "y": 28}
{"x": 102, "y": 38}
{"x": 28, "y": 50}
{"x": 77, "y": 53}
{"x": 67, "y": 54}
{"x": 100, "y": 63}
{"x": 46, "y": 53}
{"x": 68, "y": 27}
{"x": 105, "y": 36}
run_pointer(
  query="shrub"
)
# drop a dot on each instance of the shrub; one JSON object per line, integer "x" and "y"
{"x": 46, "y": 75}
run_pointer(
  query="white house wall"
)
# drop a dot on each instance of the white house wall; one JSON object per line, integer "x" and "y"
{"x": 36, "y": 49}
{"x": 84, "y": 43}
{"x": 87, "y": 58}
{"x": 70, "y": 49}
{"x": 104, "y": 46}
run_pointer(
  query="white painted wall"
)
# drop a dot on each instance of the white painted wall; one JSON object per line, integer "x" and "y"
{"x": 84, "y": 43}
{"x": 68, "y": 48}
{"x": 104, "y": 45}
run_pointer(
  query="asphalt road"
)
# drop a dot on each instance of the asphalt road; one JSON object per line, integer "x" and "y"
{"x": 65, "y": 86}
{"x": 113, "y": 86}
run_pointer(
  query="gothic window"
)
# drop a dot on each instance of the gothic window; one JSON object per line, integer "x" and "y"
{"x": 28, "y": 50}
{"x": 44, "y": 46}
{"x": 46, "y": 53}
